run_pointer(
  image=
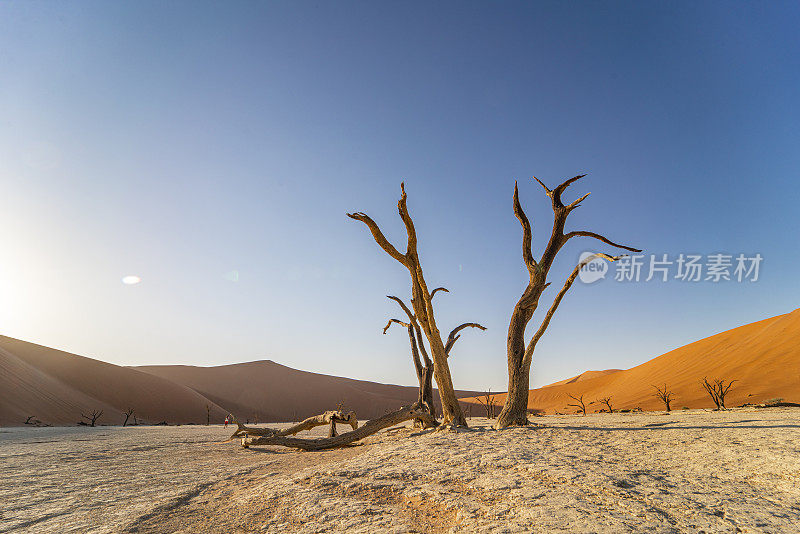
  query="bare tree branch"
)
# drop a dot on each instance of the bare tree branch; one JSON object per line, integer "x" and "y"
{"x": 402, "y": 304}
{"x": 556, "y": 196}
{"x": 379, "y": 237}
{"x": 527, "y": 234}
{"x": 439, "y": 289}
{"x": 398, "y": 321}
{"x": 453, "y": 337}
{"x": 402, "y": 207}
{"x": 607, "y": 241}
{"x": 553, "y": 307}
{"x": 577, "y": 203}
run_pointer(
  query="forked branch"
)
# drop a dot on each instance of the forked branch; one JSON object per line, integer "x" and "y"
{"x": 454, "y": 335}
{"x": 554, "y": 306}
{"x": 379, "y": 237}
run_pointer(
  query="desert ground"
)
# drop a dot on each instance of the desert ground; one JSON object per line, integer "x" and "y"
{"x": 686, "y": 471}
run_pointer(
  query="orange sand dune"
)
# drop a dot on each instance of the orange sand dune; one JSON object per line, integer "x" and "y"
{"x": 764, "y": 358}
{"x": 586, "y": 375}
{"x": 56, "y": 387}
{"x": 267, "y": 391}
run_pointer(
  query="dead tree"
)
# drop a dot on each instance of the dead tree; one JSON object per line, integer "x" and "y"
{"x": 28, "y": 420}
{"x": 208, "y": 414}
{"x": 665, "y": 395}
{"x": 519, "y": 354}
{"x": 717, "y": 390}
{"x": 487, "y": 401}
{"x": 342, "y": 440}
{"x": 579, "y": 403}
{"x": 128, "y": 414}
{"x": 92, "y": 417}
{"x": 607, "y": 402}
{"x": 424, "y": 366}
{"x": 421, "y": 301}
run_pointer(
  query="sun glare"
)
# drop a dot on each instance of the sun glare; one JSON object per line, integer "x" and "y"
{"x": 131, "y": 280}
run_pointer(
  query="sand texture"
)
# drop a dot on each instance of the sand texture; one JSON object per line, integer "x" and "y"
{"x": 687, "y": 471}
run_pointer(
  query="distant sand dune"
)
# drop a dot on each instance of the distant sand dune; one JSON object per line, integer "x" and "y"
{"x": 272, "y": 392}
{"x": 764, "y": 358}
{"x": 56, "y": 386}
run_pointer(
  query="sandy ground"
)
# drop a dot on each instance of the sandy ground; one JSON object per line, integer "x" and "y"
{"x": 688, "y": 471}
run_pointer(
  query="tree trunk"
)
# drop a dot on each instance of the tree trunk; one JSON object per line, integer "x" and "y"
{"x": 451, "y": 409}
{"x": 426, "y": 391}
{"x": 515, "y": 409}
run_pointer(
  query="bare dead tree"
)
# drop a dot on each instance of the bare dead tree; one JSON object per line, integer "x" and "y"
{"x": 421, "y": 301}
{"x": 128, "y": 414}
{"x": 92, "y": 417}
{"x": 487, "y": 400}
{"x": 665, "y": 395}
{"x": 717, "y": 390}
{"x": 28, "y": 420}
{"x": 580, "y": 404}
{"x": 424, "y": 366}
{"x": 607, "y": 402}
{"x": 208, "y": 414}
{"x": 519, "y": 354}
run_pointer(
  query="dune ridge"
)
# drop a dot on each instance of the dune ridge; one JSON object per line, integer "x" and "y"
{"x": 269, "y": 391}
{"x": 763, "y": 357}
{"x": 57, "y": 386}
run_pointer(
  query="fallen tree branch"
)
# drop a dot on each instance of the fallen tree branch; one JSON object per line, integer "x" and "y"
{"x": 319, "y": 444}
{"x": 327, "y": 418}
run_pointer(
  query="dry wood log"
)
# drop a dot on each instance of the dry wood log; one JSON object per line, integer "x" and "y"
{"x": 369, "y": 428}
{"x": 327, "y": 418}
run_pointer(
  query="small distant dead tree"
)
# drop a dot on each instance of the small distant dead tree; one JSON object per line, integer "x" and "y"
{"x": 421, "y": 301}
{"x": 717, "y": 390}
{"x": 580, "y": 404}
{"x": 92, "y": 417}
{"x": 665, "y": 395}
{"x": 128, "y": 414}
{"x": 28, "y": 420}
{"x": 607, "y": 402}
{"x": 425, "y": 367}
{"x": 487, "y": 400}
{"x": 208, "y": 414}
{"x": 519, "y": 354}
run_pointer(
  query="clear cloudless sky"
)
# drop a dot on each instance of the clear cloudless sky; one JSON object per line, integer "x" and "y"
{"x": 212, "y": 149}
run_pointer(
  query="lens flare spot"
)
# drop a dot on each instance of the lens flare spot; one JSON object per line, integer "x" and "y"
{"x": 131, "y": 280}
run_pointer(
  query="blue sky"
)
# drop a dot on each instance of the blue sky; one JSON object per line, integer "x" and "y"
{"x": 180, "y": 142}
